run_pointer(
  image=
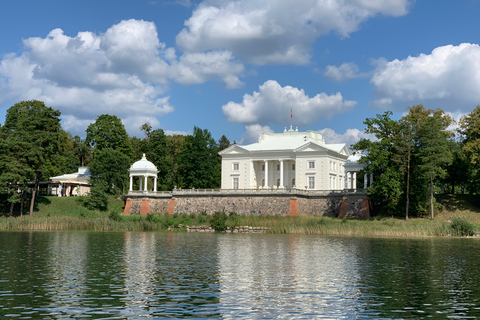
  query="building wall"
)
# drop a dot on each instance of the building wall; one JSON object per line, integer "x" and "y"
{"x": 253, "y": 205}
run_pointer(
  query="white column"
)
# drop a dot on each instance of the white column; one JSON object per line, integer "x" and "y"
{"x": 252, "y": 175}
{"x": 354, "y": 181}
{"x": 266, "y": 174}
{"x": 351, "y": 180}
{"x": 281, "y": 174}
{"x": 155, "y": 184}
{"x": 145, "y": 187}
{"x": 346, "y": 180}
{"x": 365, "y": 181}
{"x": 140, "y": 183}
{"x": 371, "y": 179}
{"x": 131, "y": 183}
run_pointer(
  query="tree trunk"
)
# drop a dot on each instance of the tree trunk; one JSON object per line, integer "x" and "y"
{"x": 10, "y": 213}
{"x": 431, "y": 196}
{"x": 408, "y": 186}
{"x": 34, "y": 192}
{"x": 22, "y": 202}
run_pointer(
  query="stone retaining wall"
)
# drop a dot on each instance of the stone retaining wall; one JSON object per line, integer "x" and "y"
{"x": 349, "y": 206}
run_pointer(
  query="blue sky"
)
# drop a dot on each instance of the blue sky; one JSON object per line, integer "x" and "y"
{"x": 239, "y": 67}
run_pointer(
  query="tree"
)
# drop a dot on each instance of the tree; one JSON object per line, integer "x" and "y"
{"x": 469, "y": 128}
{"x": 223, "y": 143}
{"x": 386, "y": 193}
{"x": 108, "y": 132}
{"x": 32, "y": 135}
{"x": 434, "y": 149}
{"x": 109, "y": 168}
{"x": 200, "y": 166}
{"x": 82, "y": 151}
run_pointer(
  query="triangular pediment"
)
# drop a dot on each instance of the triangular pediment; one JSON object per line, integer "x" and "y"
{"x": 233, "y": 149}
{"x": 310, "y": 147}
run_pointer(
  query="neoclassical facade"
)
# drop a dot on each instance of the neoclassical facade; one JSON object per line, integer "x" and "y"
{"x": 290, "y": 159}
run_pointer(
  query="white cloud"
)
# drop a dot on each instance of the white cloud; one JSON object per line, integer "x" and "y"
{"x": 277, "y": 31}
{"x": 447, "y": 78}
{"x": 347, "y": 70}
{"x": 350, "y": 136}
{"x": 124, "y": 71}
{"x": 253, "y": 133}
{"x": 273, "y": 103}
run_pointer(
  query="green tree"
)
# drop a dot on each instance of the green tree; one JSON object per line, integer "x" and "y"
{"x": 434, "y": 150}
{"x": 379, "y": 154}
{"x": 32, "y": 131}
{"x": 109, "y": 168}
{"x": 469, "y": 128}
{"x": 108, "y": 132}
{"x": 82, "y": 151}
{"x": 199, "y": 164}
{"x": 223, "y": 143}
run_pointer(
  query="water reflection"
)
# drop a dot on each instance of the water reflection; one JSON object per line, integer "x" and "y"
{"x": 134, "y": 275}
{"x": 275, "y": 276}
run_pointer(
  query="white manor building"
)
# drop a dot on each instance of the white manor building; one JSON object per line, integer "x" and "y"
{"x": 287, "y": 160}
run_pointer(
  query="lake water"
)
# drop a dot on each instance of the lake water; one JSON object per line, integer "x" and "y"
{"x": 135, "y": 275}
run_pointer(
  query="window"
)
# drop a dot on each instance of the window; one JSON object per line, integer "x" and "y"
{"x": 311, "y": 164}
{"x": 235, "y": 183}
{"x": 236, "y": 166}
{"x": 278, "y": 167}
{"x": 278, "y": 182}
{"x": 263, "y": 167}
{"x": 311, "y": 182}
{"x": 293, "y": 166}
{"x": 293, "y": 183}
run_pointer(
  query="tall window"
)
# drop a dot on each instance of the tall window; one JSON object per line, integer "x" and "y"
{"x": 236, "y": 166}
{"x": 278, "y": 167}
{"x": 293, "y": 183}
{"x": 311, "y": 182}
{"x": 293, "y": 166}
{"x": 278, "y": 182}
{"x": 263, "y": 167}
{"x": 311, "y": 164}
{"x": 235, "y": 183}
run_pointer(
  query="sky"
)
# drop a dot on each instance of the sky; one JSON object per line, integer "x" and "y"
{"x": 240, "y": 67}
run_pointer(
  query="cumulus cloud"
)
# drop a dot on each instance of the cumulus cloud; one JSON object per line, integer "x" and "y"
{"x": 351, "y": 136}
{"x": 124, "y": 71}
{"x": 447, "y": 78}
{"x": 347, "y": 70}
{"x": 277, "y": 31}
{"x": 253, "y": 133}
{"x": 273, "y": 104}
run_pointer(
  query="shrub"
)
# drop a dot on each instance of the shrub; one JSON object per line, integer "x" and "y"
{"x": 115, "y": 216}
{"x": 461, "y": 227}
{"x": 97, "y": 199}
{"x": 218, "y": 221}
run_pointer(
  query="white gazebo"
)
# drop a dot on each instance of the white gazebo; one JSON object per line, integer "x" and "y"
{"x": 143, "y": 169}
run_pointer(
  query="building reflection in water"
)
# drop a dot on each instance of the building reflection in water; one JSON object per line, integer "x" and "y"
{"x": 294, "y": 275}
{"x": 139, "y": 273}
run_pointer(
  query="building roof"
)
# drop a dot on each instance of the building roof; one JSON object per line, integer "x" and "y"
{"x": 82, "y": 176}
{"x": 143, "y": 166}
{"x": 291, "y": 140}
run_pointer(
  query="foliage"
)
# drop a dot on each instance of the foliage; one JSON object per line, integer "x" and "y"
{"x": 218, "y": 221}
{"x": 199, "y": 162}
{"x": 379, "y": 158}
{"x": 97, "y": 199}
{"x": 108, "y": 132}
{"x": 109, "y": 170}
{"x": 462, "y": 227}
{"x": 30, "y": 140}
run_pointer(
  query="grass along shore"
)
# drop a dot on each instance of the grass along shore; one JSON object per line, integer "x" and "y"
{"x": 460, "y": 218}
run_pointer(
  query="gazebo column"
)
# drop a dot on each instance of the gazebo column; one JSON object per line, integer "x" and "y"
{"x": 266, "y": 174}
{"x": 155, "y": 184}
{"x": 346, "y": 180}
{"x": 146, "y": 180}
{"x": 365, "y": 181}
{"x": 131, "y": 183}
{"x": 281, "y": 174}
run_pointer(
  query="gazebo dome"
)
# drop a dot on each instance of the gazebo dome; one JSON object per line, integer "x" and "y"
{"x": 143, "y": 166}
